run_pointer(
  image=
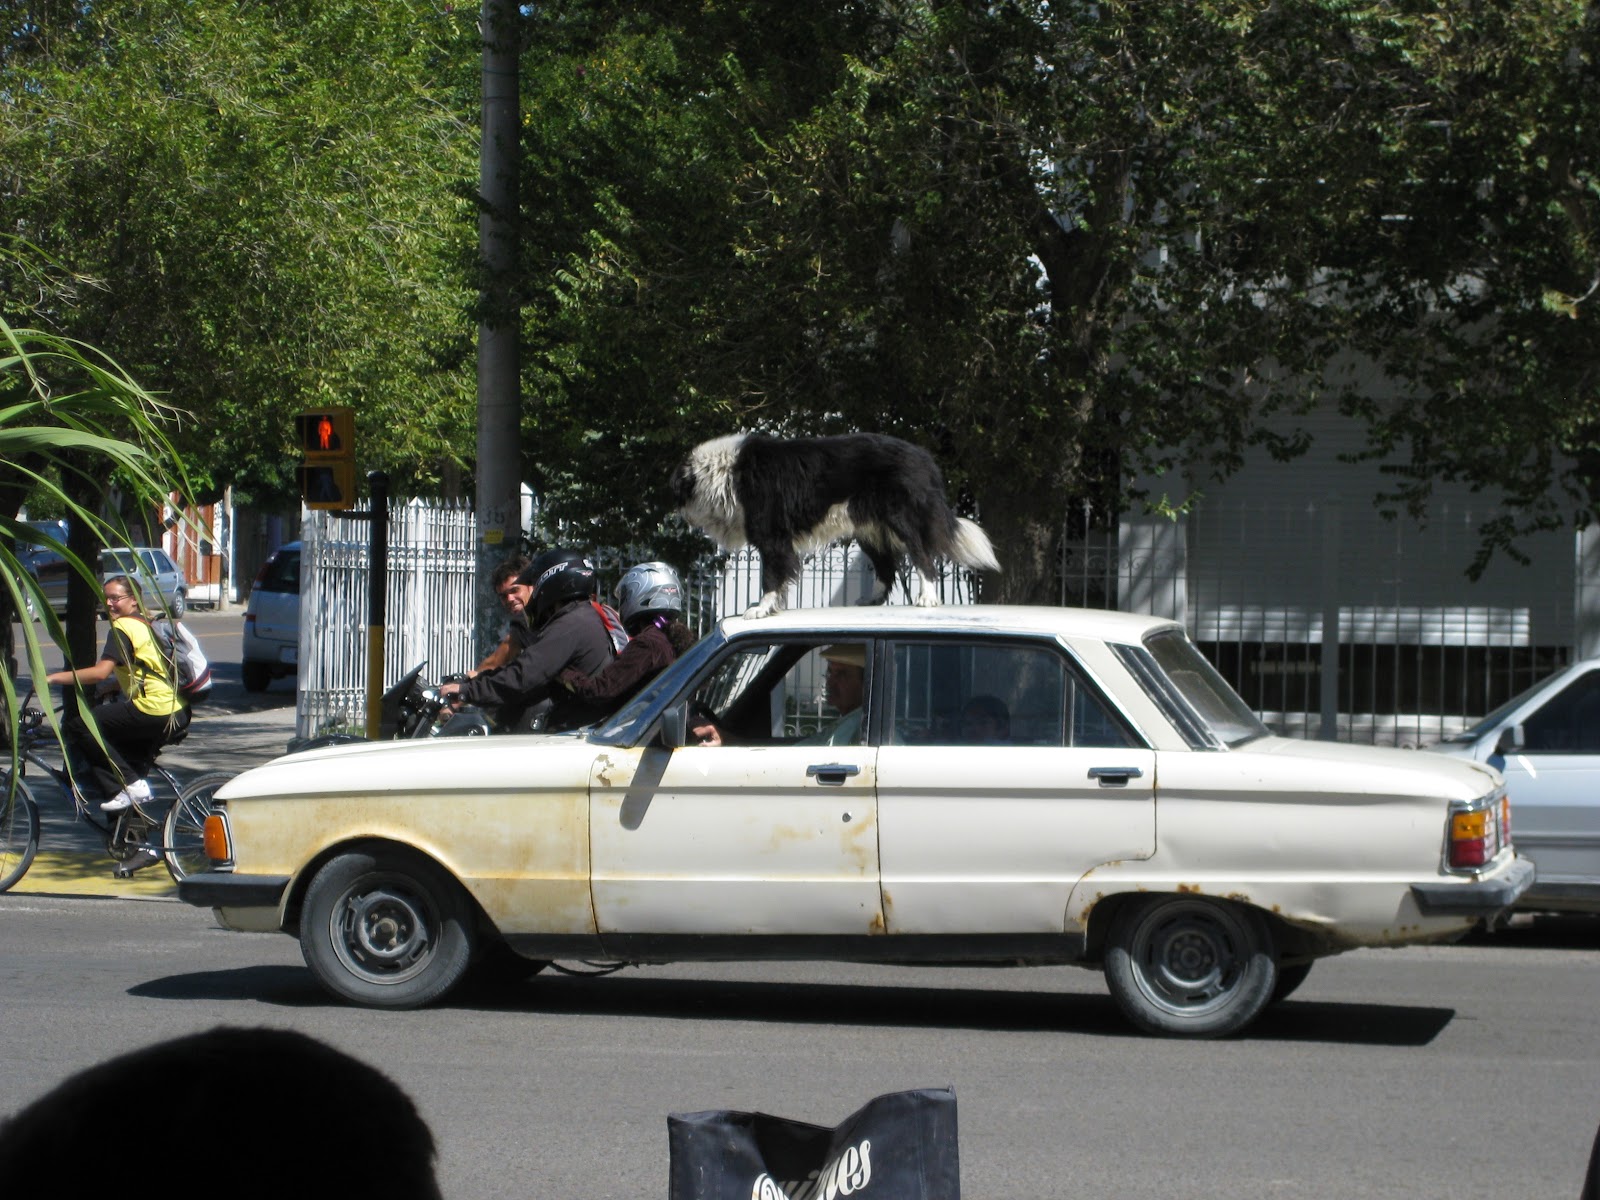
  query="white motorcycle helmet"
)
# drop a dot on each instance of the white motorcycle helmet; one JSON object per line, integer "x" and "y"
{"x": 647, "y": 591}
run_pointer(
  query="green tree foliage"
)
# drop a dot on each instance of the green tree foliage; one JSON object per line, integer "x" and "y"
{"x": 256, "y": 207}
{"x": 68, "y": 413}
{"x": 1059, "y": 244}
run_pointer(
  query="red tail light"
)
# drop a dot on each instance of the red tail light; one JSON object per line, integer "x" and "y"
{"x": 1474, "y": 837}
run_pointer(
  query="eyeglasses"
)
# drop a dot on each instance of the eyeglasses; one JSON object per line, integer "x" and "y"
{"x": 113, "y": 597}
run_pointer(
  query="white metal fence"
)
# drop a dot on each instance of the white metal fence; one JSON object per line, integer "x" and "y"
{"x": 430, "y": 612}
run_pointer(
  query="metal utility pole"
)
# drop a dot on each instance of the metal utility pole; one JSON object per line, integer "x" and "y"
{"x": 498, "y": 497}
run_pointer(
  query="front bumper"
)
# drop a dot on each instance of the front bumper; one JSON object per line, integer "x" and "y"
{"x": 1485, "y": 898}
{"x": 224, "y": 890}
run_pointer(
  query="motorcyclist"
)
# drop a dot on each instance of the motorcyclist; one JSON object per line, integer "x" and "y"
{"x": 513, "y": 595}
{"x": 650, "y": 599}
{"x": 570, "y": 629}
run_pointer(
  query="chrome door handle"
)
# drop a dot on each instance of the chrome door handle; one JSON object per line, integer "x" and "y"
{"x": 831, "y": 774}
{"x": 1115, "y": 776}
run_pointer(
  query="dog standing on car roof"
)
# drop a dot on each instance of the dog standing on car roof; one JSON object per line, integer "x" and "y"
{"x": 785, "y": 496}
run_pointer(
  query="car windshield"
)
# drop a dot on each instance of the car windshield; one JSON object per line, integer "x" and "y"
{"x": 1228, "y": 717}
{"x": 1497, "y": 717}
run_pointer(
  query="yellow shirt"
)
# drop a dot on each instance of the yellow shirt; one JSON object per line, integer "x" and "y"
{"x": 141, "y": 672}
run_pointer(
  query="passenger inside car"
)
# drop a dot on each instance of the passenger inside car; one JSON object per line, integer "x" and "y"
{"x": 985, "y": 721}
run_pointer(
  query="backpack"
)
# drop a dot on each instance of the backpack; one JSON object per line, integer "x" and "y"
{"x": 187, "y": 667}
{"x": 613, "y": 623}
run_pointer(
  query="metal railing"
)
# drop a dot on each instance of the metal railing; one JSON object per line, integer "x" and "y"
{"x": 430, "y": 607}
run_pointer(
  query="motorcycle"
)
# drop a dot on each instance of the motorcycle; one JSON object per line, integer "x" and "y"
{"x": 410, "y": 709}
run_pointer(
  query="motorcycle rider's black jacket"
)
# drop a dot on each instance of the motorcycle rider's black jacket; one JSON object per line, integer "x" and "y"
{"x": 575, "y": 636}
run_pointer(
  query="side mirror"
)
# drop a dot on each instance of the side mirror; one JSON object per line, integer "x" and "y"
{"x": 675, "y": 725}
{"x": 1512, "y": 738}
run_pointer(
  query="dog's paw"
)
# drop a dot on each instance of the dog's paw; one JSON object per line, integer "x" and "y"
{"x": 769, "y": 605}
{"x": 927, "y": 598}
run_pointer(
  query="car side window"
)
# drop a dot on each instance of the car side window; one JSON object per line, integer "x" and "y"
{"x": 1569, "y": 722}
{"x": 786, "y": 692}
{"x": 953, "y": 693}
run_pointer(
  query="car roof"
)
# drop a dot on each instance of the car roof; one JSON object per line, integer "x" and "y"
{"x": 991, "y": 619}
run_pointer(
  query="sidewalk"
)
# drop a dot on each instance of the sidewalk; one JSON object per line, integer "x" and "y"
{"x": 72, "y": 859}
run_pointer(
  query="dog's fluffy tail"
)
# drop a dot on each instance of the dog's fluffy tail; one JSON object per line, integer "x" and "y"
{"x": 970, "y": 547}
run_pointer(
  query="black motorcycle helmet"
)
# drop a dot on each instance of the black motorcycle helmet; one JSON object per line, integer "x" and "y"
{"x": 557, "y": 577}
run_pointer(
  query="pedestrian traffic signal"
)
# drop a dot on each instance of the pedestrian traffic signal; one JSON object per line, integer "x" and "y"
{"x": 327, "y": 439}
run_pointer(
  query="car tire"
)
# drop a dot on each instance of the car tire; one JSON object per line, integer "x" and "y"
{"x": 386, "y": 929}
{"x": 1289, "y": 978}
{"x": 257, "y": 676}
{"x": 1190, "y": 966}
{"x": 179, "y": 606}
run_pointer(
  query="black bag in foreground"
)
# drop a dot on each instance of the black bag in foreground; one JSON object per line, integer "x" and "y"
{"x": 901, "y": 1146}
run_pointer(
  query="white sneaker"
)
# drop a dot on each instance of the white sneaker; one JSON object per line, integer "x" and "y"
{"x": 138, "y": 790}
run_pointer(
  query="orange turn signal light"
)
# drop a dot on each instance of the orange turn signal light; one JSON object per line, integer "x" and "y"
{"x": 216, "y": 839}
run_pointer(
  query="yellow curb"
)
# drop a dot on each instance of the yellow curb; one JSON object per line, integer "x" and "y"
{"x": 69, "y": 873}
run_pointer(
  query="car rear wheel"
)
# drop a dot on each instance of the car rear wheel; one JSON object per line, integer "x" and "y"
{"x": 179, "y": 605}
{"x": 1189, "y": 966}
{"x": 257, "y": 676}
{"x": 386, "y": 929}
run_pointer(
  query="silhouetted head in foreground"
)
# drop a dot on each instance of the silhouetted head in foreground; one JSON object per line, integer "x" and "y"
{"x": 244, "y": 1112}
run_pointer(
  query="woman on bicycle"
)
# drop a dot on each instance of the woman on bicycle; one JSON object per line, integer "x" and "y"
{"x": 135, "y": 725}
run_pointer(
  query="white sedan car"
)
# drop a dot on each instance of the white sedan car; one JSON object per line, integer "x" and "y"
{"x": 1017, "y": 786}
{"x": 1546, "y": 743}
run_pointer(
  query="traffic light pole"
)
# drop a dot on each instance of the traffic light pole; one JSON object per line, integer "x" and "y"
{"x": 377, "y": 600}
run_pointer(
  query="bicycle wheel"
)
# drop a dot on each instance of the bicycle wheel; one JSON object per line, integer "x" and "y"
{"x": 19, "y": 830}
{"x": 183, "y": 832}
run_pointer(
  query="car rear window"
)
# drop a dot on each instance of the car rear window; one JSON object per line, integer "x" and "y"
{"x": 1201, "y": 704}
{"x": 282, "y": 573}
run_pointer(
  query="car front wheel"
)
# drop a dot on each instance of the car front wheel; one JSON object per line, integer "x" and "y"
{"x": 386, "y": 929}
{"x": 1189, "y": 966}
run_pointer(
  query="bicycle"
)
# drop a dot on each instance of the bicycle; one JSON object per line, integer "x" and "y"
{"x": 126, "y": 833}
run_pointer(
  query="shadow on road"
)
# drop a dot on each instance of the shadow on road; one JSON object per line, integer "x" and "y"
{"x": 826, "y": 1004}
{"x": 1544, "y": 931}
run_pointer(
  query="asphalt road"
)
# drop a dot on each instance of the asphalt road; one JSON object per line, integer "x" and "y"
{"x": 1467, "y": 1071}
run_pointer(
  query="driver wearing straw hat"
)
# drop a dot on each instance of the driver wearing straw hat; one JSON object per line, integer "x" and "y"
{"x": 844, "y": 685}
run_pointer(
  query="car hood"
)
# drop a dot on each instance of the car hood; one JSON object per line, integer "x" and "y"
{"x": 456, "y": 764}
{"x": 1378, "y": 768}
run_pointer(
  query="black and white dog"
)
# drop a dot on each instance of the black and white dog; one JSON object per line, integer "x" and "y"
{"x": 785, "y": 496}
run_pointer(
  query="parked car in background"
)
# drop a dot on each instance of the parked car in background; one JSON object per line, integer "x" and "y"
{"x": 161, "y": 584}
{"x": 938, "y": 785}
{"x": 47, "y": 566}
{"x": 1546, "y": 742}
{"x": 272, "y": 620}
